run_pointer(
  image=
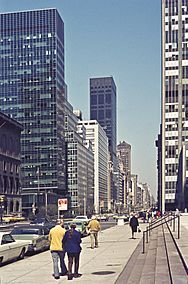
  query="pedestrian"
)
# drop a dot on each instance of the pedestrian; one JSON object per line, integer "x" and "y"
{"x": 71, "y": 244}
{"x": 177, "y": 212}
{"x": 158, "y": 214}
{"x": 94, "y": 228}
{"x": 58, "y": 253}
{"x": 133, "y": 224}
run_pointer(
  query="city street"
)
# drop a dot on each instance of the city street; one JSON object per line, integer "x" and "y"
{"x": 97, "y": 266}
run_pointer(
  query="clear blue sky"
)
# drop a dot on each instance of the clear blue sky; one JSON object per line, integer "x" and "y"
{"x": 119, "y": 38}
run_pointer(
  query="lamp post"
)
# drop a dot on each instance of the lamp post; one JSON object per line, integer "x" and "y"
{"x": 44, "y": 192}
{"x": 1, "y": 208}
{"x": 46, "y": 202}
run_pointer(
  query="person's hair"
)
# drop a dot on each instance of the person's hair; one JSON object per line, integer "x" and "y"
{"x": 72, "y": 228}
{"x": 59, "y": 222}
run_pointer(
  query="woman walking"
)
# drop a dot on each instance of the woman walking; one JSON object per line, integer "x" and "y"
{"x": 71, "y": 244}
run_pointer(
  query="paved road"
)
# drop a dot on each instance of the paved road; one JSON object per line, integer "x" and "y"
{"x": 102, "y": 265}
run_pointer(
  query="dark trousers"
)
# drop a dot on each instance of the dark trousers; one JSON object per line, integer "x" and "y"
{"x": 73, "y": 257}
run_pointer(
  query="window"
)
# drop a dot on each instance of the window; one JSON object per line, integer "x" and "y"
{"x": 93, "y": 100}
{"x": 101, "y": 99}
{"x": 108, "y": 98}
{"x": 6, "y": 239}
{"x": 108, "y": 113}
{"x": 101, "y": 114}
{"x": 93, "y": 114}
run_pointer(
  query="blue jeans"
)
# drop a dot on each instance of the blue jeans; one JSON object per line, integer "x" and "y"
{"x": 56, "y": 255}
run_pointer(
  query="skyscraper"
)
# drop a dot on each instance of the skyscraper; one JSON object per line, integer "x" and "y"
{"x": 124, "y": 160}
{"x": 103, "y": 108}
{"x": 32, "y": 92}
{"x": 124, "y": 156}
{"x": 80, "y": 165}
{"x": 174, "y": 159}
{"x": 99, "y": 141}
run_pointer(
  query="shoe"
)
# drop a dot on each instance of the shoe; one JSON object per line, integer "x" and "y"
{"x": 70, "y": 277}
{"x": 56, "y": 277}
{"x": 92, "y": 248}
{"x": 77, "y": 275}
{"x": 63, "y": 274}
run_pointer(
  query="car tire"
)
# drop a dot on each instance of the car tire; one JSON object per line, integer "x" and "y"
{"x": 1, "y": 260}
{"x": 22, "y": 254}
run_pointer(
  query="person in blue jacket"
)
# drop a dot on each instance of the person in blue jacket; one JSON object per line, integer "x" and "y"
{"x": 71, "y": 245}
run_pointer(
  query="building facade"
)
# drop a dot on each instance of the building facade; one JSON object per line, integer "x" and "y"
{"x": 32, "y": 92}
{"x": 124, "y": 160}
{"x": 80, "y": 167}
{"x": 10, "y": 159}
{"x": 103, "y": 108}
{"x": 174, "y": 163}
{"x": 99, "y": 141}
{"x": 103, "y": 101}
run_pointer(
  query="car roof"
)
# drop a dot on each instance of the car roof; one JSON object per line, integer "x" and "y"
{"x": 29, "y": 227}
{"x": 4, "y": 233}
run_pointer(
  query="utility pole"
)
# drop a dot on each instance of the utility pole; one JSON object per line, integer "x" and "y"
{"x": 84, "y": 203}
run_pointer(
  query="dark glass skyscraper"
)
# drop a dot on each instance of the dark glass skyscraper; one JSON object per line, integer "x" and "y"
{"x": 32, "y": 92}
{"x": 103, "y": 108}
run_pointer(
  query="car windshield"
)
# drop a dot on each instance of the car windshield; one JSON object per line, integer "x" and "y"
{"x": 23, "y": 231}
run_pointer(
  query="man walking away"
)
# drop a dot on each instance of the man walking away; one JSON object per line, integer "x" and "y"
{"x": 133, "y": 224}
{"x": 94, "y": 228}
{"x": 71, "y": 243}
{"x": 55, "y": 237}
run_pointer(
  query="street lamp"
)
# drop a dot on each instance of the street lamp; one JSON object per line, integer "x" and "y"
{"x": 1, "y": 208}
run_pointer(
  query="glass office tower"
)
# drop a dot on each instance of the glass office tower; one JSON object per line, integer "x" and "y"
{"x": 174, "y": 159}
{"x": 32, "y": 92}
{"x": 103, "y": 108}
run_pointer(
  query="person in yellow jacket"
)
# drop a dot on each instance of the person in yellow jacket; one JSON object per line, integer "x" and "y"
{"x": 55, "y": 237}
{"x": 94, "y": 228}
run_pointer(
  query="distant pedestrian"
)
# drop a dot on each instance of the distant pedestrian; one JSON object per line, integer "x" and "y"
{"x": 177, "y": 212}
{"x": 158, "y": 214}
{"x": 71, "y": 244}
{"x": 133, "y": 224}
{"x": 149, "y": 216}
{"x": 94, "y": 227}
{"x": 55, "y": 237}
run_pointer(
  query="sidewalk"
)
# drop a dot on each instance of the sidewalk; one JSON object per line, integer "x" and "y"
{"x": 183, "y": 241}
{"x": 101, "y": 265}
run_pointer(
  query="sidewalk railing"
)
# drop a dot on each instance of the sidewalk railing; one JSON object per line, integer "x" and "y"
{"x": 170, "y": 218}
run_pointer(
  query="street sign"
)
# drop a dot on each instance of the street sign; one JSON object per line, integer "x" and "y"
{"x": 62, "y": 204}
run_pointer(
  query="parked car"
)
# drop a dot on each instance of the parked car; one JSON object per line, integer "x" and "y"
{"x": 67, "y": 225}
{"x": 36, "y": 235}
{"x": 12, "y": 218}
{"x": 124, "y": 216}
{"x": 43, "y": 222}
{"x": 81, "y": 226}
{"x": 10, "y": 248}
{"x": 82, "y": 218}
{"x": 103, "y": 217}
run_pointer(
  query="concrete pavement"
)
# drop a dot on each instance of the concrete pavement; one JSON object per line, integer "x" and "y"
{"x": 101, "y": 265}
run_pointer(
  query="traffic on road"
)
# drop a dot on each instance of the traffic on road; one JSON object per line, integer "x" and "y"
{"x": 18, "y": 240}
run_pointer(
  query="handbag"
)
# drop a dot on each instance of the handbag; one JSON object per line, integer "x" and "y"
{"x": 139, "y": 230}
